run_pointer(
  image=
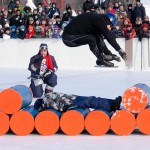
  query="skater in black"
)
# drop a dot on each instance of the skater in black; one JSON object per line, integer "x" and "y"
{"x": 90, "y": 28}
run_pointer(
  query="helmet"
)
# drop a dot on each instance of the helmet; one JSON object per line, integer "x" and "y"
{"x": 112, "y": 18}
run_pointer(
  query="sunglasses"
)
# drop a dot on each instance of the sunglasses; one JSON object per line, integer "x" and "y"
{"x": 44, "y": 48}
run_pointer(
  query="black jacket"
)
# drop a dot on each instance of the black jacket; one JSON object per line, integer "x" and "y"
{"x": 91, "y": 24}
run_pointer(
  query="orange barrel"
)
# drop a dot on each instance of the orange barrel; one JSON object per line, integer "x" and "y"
{"x": 72, "y": 121}
{"x": 136, "y": 98}
{"x": 15, "y": 98}
{"x": 47, "y": 122}
{"x": 22, "y": 122}
{"x": 123, "y": 122}
{"x": 97, "y": 122}
{"x": 143, "y": 121}
{"x": 4, "y": 123}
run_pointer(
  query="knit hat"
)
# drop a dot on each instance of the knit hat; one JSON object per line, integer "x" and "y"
{"x": 144, "y": 25}
{"x": 56, "y": 27}
{"x": 43, "y": 45}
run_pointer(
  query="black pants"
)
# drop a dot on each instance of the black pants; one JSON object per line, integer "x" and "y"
{"x": 95, "y": 42}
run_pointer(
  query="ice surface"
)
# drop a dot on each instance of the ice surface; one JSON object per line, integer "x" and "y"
{"x": 98, "y": 82}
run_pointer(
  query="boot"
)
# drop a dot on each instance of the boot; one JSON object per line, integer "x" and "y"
{"x": 112, "y": 57}
{"x": 117, "y": 103}
{"x": 104, "y": 63}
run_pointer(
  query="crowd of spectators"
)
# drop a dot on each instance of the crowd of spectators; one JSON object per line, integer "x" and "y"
{"x": 45, "y": 20}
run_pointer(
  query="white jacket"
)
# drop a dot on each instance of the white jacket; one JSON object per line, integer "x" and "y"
{"x": 31, "y": 4}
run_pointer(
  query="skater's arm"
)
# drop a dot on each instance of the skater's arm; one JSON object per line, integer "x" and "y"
{"x": 102, "y": 28}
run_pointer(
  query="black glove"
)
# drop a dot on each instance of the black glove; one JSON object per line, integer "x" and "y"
{"x": 123, "y": 54}
{"x": 38, "y": 59}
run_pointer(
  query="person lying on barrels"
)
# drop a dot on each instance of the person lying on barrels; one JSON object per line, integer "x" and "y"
{"x": 63, "y": 102}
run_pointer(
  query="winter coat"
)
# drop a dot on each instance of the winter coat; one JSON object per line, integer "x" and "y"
{"x": 35, "y": 64}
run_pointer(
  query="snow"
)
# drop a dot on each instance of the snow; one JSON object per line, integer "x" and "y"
{"x": 98, "y": 82}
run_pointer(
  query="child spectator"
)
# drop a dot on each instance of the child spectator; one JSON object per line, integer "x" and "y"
{"x": 4, "y": 17}
{"x": 129, "y": 32}
{"x": 111, "y": 10}
{"x": 117, "y": 32}
{"x": 44, "y": 15}
{"x": 122, "y": 13}
{"x": 144, "y": 32}
{"x": 30, "y": 29}
{"x": 146, "y": 20}
{"x": 22, "y": 32}
{"x": 58, "y": 21}
{"x": 56, "y": 32}
{"x": 43, "y": 28}
{"x": 6, "y": 34}
{"x": 39, "y": 8}
{"x": 49, "y": 28}
{"x": 37, "y": 29}
{"x": 125, "y": 22}
{"x": 13, "y": 32}
{"x": 138, "y": 24}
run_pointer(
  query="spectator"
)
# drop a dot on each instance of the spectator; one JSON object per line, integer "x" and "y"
{"x": 87, "y": 5}
{"x": 20, "y": 7}
{"x": 49, "y": 28}
{"x": 39, "y": 8}
{"x": 30, "y": 29}
{"x": 68, "y": 6}
{"x": 122, "y": 13}
{"x": 139, "y": 10}
{"x": 116, "y": 6}
{"x": 36, "y": 16}
{"x": 117, "y": 32}
{"x": 10, "y": 13}
{"x": 37, "y": 29}
{"x": 129, "y": 32}
{"x": 58, "y": 22}
{"x": 146, "y": 20}
{"x": 13, "y": 32}
{"x": 27, "y": 11}
{"x": 56, "y": 32}
{"x": 67, "y": 16}
{"x": 130, "y": 13}
{"x": 11, "y": 4}
{"x": 2, "y": 10}
{"x": 125, "y": 22}
{"x": 22, "y": 32}
{"x": 111, "y": 10}
{"x": 17, "y": 19}
{"x": 144, "y": 32}
{"x": 30, "y": 4}
{"x": 43, "y": 28}
{"x": 138, "y": 24}
{"x": 6, "y": 34}
{"x": 47, "y": 9}
{"x": 53, "y": 10}
{"x": 44, "y": 15}
{"x": 4, "y": 18}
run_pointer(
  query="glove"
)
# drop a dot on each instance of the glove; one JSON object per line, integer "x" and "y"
{"x": 40, "y": 58}
{"x": 48, "y": 71}
{"x": 123, "y": 54}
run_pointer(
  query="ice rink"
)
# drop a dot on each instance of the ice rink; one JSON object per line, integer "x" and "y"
{"x": 94, "y": 82}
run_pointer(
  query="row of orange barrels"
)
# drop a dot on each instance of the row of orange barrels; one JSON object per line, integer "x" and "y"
{"x": 17, "y": 115}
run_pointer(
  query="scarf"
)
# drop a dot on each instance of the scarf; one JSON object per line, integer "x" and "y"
{"x": 49, "y": 62}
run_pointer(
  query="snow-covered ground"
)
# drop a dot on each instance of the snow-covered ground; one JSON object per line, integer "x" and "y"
{"x": 98, "y": 82}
